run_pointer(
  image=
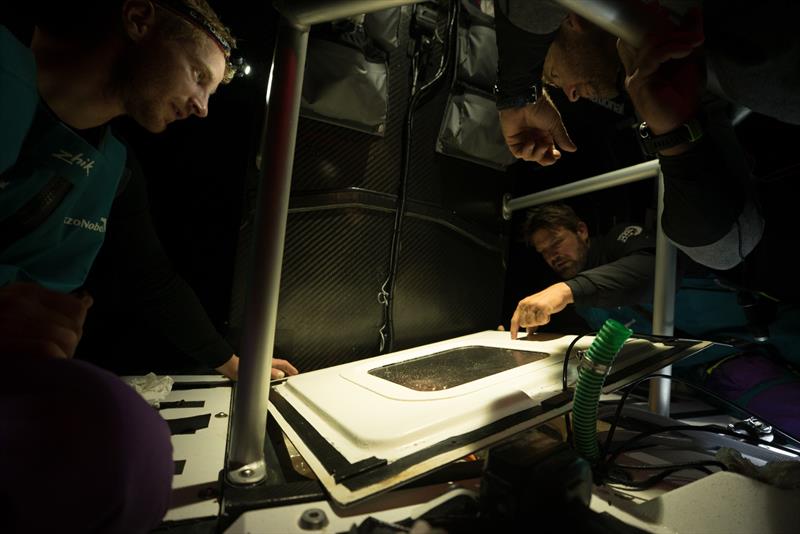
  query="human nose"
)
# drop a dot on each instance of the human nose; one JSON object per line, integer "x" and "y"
{"x": 199, "y": 105}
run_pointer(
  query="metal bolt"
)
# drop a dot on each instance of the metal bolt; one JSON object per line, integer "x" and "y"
{"x": 220, "y": 415}
{"x": 313, "y": 519}
{"x": 247, "y": 473}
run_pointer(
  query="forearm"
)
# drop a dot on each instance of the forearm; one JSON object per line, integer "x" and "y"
{"x": 166, "y": 301}
{"x": 521, "y": 51}
{"x": 172, "y": 308}
{"x": 624, "y": 282}
{"x": 151, "y": 284}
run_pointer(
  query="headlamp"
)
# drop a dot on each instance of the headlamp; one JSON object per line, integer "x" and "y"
{"x": 194, "y": 17}
{"x": 240, "y": 66}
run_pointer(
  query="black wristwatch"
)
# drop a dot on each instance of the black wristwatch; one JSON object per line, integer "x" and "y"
{"x": 530, "y": 96}
{"x": 689, "y": 132}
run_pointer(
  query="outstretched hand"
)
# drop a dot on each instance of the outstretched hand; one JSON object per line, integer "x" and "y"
{"x": 280, "y": 368}
{"x": 665, "y": 78}
{"x": 535, "y": 310}
{"x": 536, "y": 132}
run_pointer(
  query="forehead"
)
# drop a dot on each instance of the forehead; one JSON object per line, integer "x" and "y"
{"x": 545, "y": 237}
{"x": 209, "y": 54}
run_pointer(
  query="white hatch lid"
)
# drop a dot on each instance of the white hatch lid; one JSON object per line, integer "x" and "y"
{"x": 371, "y": 425}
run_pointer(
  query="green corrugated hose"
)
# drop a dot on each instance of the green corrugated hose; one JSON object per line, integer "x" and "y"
{"x": 601, "y": 353}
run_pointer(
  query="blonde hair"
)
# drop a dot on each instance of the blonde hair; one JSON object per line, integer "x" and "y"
{"x": 198, "y": 19}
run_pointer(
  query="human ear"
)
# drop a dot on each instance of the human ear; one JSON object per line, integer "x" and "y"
{"x": 583, "y": 231}
{"x": 138, "y": 17}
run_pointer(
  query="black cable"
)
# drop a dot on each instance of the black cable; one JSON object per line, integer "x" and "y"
{"x": 608, "y": 463}
{"x": 715, "y": 429}
{"x": 674, "y": 466}
{"x": 567, "y": 421}
{"x": 670, "y": 470}
{"x": 565, "y": 369}
{"x": 388, "y": 287}
{"x": 702, "y": 390}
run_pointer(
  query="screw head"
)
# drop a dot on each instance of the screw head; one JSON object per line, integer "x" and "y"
{"x": 313, "y": 519}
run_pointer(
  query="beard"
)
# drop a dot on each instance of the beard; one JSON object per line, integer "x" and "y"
{"x": 139, "y": 84}
{"x": 593, "y": 58}
{"x": 147, "y": 112}
{"x": 567, "y": 270}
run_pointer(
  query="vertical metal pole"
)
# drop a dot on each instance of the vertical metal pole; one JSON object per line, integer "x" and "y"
{"x": 245, "y": 463}
{"x": 663, "y": 304}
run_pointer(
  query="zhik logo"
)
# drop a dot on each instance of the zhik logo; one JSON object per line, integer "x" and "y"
{"x": 75, "y": 159}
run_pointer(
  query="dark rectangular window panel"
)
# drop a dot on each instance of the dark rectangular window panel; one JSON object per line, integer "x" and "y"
{"x": 454, "y": 367}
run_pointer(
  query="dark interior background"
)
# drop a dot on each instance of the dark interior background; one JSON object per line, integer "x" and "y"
{"x": 461, "y": 267}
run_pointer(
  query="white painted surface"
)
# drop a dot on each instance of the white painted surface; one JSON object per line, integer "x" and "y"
{"x": 204, "y": 451}
{"x": 396, "y": 506}
{"x": 369, "y": 416}
{"x": 723, "y": 502}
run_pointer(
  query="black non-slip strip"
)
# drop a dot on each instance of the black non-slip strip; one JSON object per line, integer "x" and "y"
{"x": 332, "y": 460}
{"x": 375, "y": 470}
{"x": 179, "y": 465}
{"x": 618, "y": 379}
{"x": 181, "y": 404}
{"x": 446, "y": 445}
{"x": 201, "y": 385}
{"x": 188, "y": 425}
{"x": 34, "y": 212}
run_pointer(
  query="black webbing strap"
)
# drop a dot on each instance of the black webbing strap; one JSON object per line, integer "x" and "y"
{"x": 34, "y": 212}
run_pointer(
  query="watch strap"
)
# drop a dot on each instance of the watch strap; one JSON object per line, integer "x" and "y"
{"x": 529, "y": 96}
{"x": 689, "y": 132}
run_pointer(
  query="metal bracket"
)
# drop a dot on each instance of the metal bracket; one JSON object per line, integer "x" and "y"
{"x": 584, "y": 362}
{"x": 506, "y": 209}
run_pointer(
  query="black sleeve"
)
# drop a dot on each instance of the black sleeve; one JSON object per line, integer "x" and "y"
{"x": 625, "y": 239}
{"x": 705, "y": 188}
{"x": 624, "y": 268}
{"x": 521, "y": 52}
{"x": 626, "y": 281}
{"x": 149, "y": 279}
{"x": 703, "y": 198}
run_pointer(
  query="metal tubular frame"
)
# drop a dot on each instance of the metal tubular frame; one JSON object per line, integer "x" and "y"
{"x": 666, "y": 254}
{"x": 304, "y": 13}
{"x": 630, "y": 21}
{"x": 663, "y": 304}
{"x": 245, "y": 464}
{"x": 648, "y": 169}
